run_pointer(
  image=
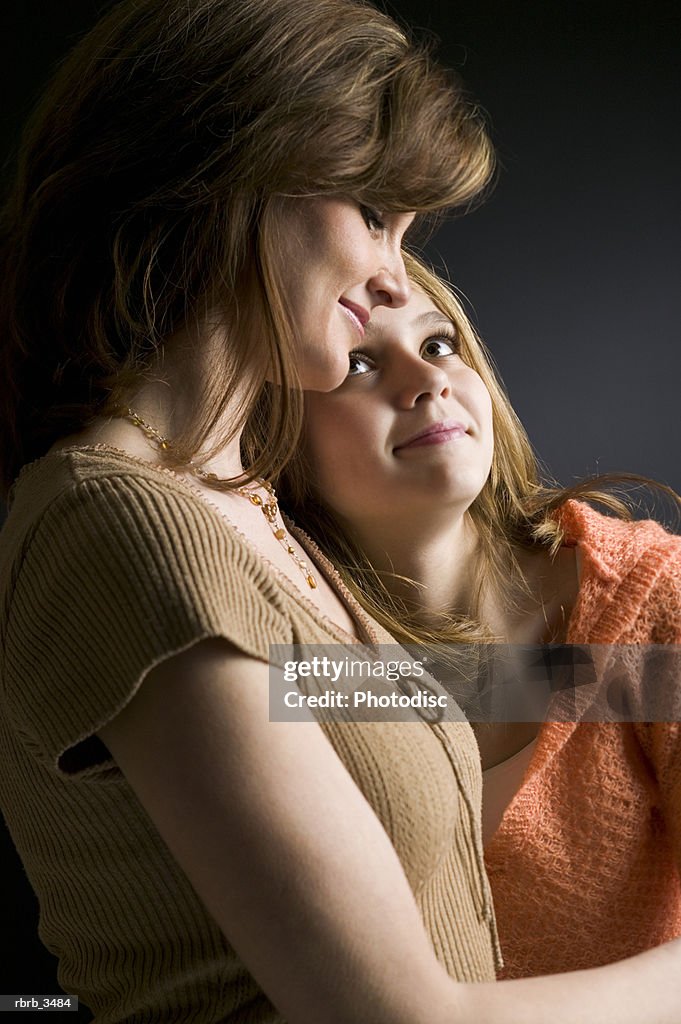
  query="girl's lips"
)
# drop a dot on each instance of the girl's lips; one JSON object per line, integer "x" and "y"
{"x": 356, "y": 314}
{"x": 437, "y": 433}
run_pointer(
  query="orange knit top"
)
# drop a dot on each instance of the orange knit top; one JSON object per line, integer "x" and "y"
{"x": 585, "y": 864}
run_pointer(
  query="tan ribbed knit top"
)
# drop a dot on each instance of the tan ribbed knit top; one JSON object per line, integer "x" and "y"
{"x": 108, "y": 566}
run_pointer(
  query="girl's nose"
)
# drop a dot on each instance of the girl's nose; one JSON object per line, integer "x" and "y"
{"x": 420, "y": 380}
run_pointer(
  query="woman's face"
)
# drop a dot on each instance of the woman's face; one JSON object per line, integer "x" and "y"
{"x": 340, "y": 262}
{"x": 409, "y": 431}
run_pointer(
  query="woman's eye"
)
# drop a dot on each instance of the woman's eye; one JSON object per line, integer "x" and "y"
{"x": 371, "y": 218}
{"x": 436, "y": 348}
{"x": 359, "y": 364}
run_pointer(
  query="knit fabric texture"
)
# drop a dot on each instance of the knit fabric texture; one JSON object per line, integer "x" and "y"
{"x": 585, "y": 864}
{"x": 109, "y": 566}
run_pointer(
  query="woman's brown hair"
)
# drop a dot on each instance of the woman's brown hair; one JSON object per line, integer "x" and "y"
{"x": 516, "y": 508}
{"x": 143, "y": 199}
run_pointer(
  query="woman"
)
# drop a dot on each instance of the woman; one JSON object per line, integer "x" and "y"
{"x": 427, "y": 496}
{"x": 191, "y": 239}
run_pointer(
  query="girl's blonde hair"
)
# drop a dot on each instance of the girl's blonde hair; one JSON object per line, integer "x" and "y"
{"x": 514, "y": 510}
{"x": 146, "y": 195}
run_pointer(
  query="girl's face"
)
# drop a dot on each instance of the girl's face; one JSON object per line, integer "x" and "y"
{"x": 408, "y": 434}
{"x": 340, "y": 262}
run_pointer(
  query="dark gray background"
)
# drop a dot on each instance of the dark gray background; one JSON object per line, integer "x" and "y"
{"x": 572, "y": 267}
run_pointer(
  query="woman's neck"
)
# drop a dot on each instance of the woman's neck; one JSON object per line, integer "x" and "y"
{"x": 168, "y": 418}
{"x": 176, "y": 388}
{"x": 166, "y": 400}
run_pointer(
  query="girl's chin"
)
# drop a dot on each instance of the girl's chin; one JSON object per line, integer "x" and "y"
{"x": 440, "y": 485}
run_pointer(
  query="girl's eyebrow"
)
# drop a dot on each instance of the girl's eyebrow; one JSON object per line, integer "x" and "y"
{"x": 431, "y": 318}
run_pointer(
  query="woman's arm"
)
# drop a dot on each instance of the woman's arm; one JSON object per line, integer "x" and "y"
{"x": 301, "y": 877}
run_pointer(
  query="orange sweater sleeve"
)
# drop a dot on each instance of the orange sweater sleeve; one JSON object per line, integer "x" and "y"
{"x": 661, "y": 741}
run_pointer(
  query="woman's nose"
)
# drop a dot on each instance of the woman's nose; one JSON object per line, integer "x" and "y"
{"x": 390, "y": 285}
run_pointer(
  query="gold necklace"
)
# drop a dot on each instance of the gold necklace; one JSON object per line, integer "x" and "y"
{"x": 269, "y": 506}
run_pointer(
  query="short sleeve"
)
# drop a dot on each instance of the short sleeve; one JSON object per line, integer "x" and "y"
{"x": 122, "y": 572}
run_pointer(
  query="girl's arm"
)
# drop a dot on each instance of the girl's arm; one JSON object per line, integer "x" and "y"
{"x": 640, "y": 990}
{"x": 299, "y": 874}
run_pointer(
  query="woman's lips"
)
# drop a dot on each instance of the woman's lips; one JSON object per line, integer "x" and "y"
{"x": 437, "y": 433}
{"x": 357, "y": 315}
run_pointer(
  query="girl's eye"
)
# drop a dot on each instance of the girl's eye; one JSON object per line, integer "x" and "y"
{"x": 443, "y": 345}
{"x": 359, "y": 364}
{"x": 371, "y": 218}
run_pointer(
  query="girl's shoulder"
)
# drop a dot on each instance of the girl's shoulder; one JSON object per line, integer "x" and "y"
{"x": 630, "y": 589}
{"x": 616, "y": 546}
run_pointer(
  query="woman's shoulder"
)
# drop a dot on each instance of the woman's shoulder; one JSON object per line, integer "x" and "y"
{"x": 108, "y": 568}
{"x": 67, "y": 467}
{"x": 108, "y": 492}
{"x": 96, "y": 528}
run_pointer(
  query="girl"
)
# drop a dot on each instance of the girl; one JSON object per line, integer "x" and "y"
{"x": 426, "y": 494}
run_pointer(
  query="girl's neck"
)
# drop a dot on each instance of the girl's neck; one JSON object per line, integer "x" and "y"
{"x": 444, "y": 570}
{"x": 435, "y": 569}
